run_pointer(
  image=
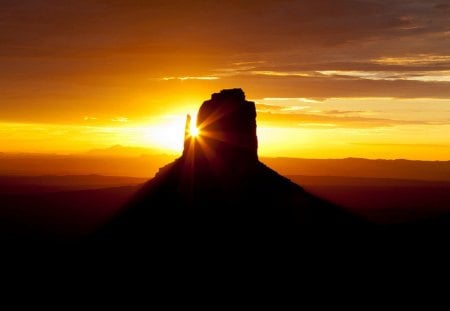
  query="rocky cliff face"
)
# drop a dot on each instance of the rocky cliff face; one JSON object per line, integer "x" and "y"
{"x": 227, "y": 133}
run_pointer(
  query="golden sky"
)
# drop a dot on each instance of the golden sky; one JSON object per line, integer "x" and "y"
{"x": 330, "y": 78}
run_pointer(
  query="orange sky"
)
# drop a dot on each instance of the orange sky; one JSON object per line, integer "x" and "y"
{"x": 330, "y": 79}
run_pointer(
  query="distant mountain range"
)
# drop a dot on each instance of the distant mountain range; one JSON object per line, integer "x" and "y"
{"x": 124, "y": 151}
{"x": 141, "y": 164}
{"x": 357, "y": 167}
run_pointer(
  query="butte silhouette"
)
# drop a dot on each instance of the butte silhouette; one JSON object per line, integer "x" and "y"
{"x": 218, "y": 186}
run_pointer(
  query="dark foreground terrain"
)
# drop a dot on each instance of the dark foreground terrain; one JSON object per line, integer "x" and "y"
{"x": 72, "y": 207}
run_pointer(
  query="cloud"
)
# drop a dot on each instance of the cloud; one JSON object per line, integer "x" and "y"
{"x": 338, "y": 112}
{"x": 420, "y": 59}
{"x": 120, "y": 119}
{"x": 279, "y": 73}
{"x": 427, "y": 76}
{"x": 83, "y": 28}
{"x": 190, "y": 78}
{"x": 70, "y": 58}
{"x": 339, "y": 86}
{"x": 89, "y": 118}
{"x": 278, "y": 108}
{"x": 326, "y": 120}
{"x": 283, "y": 99}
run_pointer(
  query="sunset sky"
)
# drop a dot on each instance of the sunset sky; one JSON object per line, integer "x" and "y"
{"x": 330, "y": 78}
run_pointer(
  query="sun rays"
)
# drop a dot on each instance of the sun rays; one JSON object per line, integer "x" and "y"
{"x": 196, "y": 145}
{"x": 194, "y": 131}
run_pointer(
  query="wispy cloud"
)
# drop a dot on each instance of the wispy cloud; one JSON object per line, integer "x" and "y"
{"x": 279, "y": 73}
{"x": 420, "y": 59}
{"x": 284, "y": 99}
{"x": 320, "y": 119}
{"x": 248, "y": 63}
{"x": 340, "y": 112}
{"x": 89, "y": 118}
{"x": 278, "y": 108}
{"x": 120, "y": 119}
{"x": 190, "y": 78}
{"x": 424, "y": 76}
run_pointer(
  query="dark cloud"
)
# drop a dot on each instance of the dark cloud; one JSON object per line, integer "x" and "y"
{"x": 81, "y": 28}
{"x": 355, "y": 65}
{"x": 66, "y": 55}
{"x": 326, "y": 87}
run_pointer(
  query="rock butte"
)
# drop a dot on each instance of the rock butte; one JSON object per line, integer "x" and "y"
{"x": 219, "y": 186}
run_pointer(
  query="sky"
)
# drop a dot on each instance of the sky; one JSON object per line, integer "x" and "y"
{"x": 330, "y": 78}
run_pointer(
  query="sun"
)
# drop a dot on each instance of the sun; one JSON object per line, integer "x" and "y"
{"x": 169, "y": 133}
{"x": 194, "y": 130}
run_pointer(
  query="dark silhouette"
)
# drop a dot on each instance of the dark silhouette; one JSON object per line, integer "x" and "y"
{"x": 219, "y": 187}
{"x": 219, "y": 191}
